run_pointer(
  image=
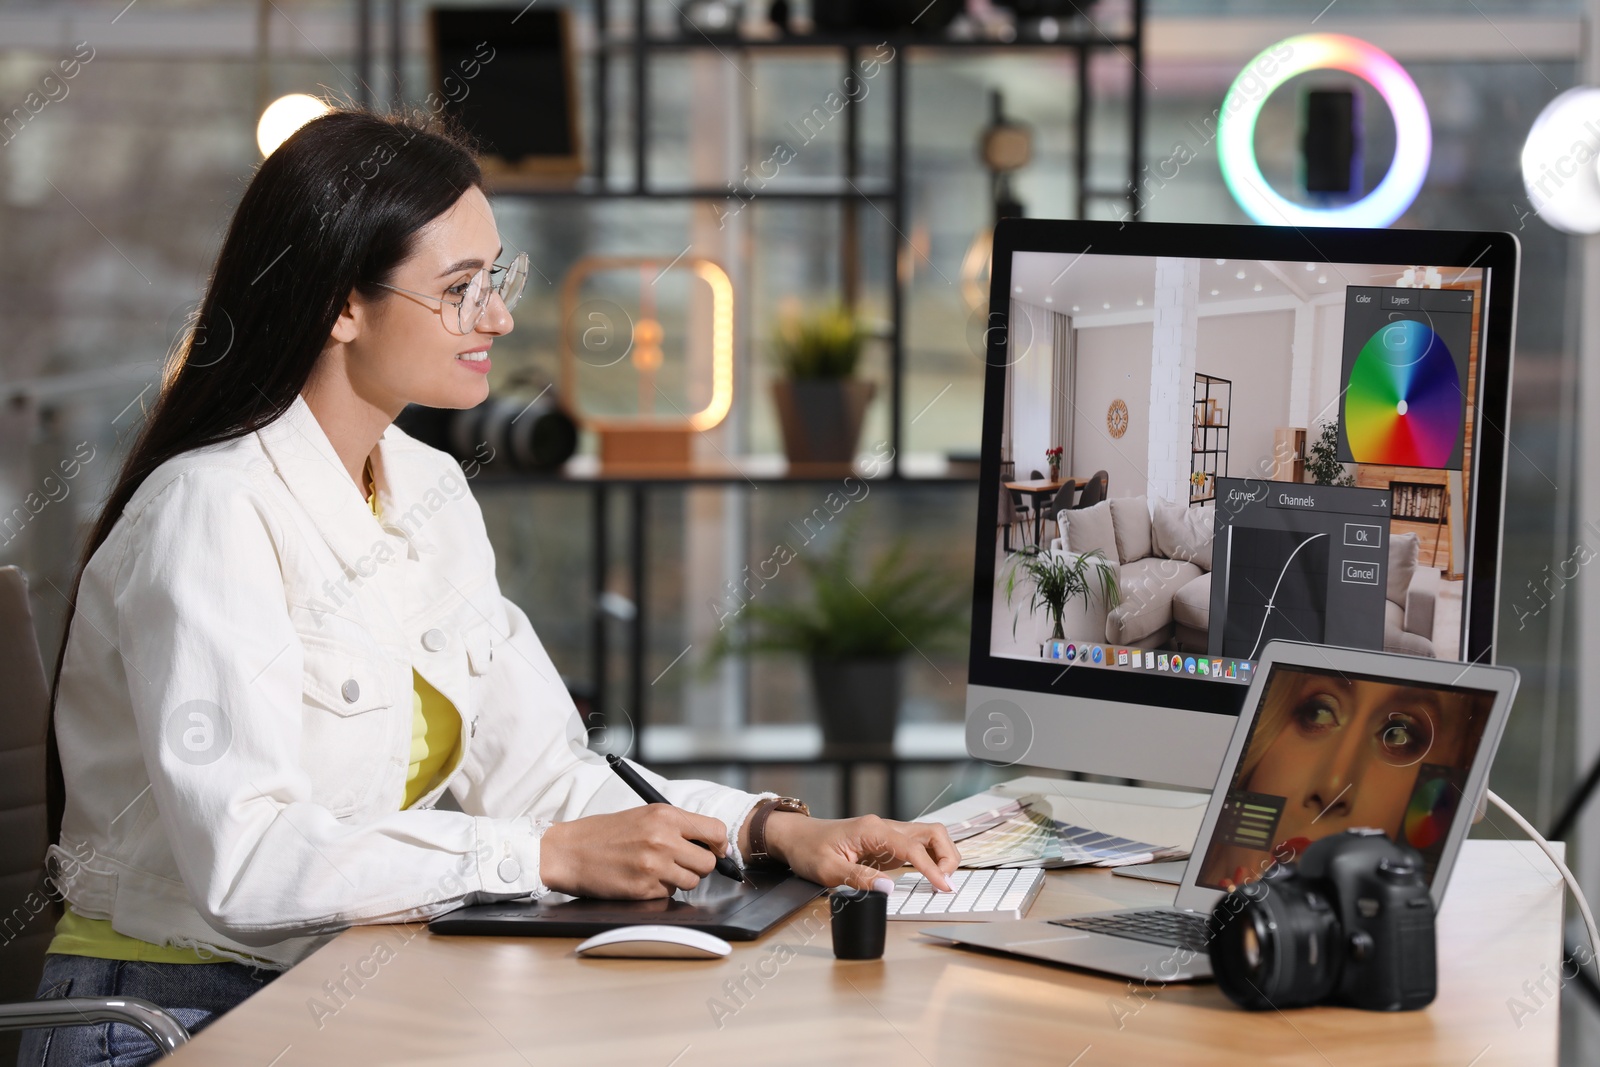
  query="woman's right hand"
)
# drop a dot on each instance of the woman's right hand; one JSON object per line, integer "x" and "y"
{"x": 637, "y": 854}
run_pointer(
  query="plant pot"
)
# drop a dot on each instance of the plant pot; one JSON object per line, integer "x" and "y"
{"x": 821, "y": 418}
{"x": 858, "y": 701}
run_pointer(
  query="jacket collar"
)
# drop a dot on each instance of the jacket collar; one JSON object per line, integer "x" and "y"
{"x": 306, "y": 461}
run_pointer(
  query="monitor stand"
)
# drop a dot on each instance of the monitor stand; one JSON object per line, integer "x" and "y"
{"x": 1170, "y": 871}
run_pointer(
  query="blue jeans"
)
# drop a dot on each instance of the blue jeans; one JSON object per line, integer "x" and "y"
{"x": 194, "y": 992}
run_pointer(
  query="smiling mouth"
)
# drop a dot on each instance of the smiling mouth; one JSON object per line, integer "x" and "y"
{"x": 475, "y": 356}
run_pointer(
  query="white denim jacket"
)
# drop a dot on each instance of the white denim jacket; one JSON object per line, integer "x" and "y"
{"x": 235, "y": 709}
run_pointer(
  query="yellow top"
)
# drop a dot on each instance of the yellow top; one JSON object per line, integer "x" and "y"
{"x": 435, "y": 740}
{"x": 435, "y": 723}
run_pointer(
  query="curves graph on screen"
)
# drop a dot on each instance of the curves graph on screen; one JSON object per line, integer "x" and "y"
{"x": 1272, "y": 599}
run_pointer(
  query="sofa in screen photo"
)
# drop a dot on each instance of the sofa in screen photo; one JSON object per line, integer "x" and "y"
{"x": 1162, "y": 556}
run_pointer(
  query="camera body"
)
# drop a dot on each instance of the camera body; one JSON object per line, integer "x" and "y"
{"x": 1351, "y": 923}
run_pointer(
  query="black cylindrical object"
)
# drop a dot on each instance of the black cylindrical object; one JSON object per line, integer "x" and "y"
{"x": 1280, "y": 946}
{"x": 860, "y": 921}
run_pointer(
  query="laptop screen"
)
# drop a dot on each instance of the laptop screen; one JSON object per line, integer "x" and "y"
{"x": 1329, "y": 751}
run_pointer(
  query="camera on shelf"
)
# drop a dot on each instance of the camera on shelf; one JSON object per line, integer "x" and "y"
{"x": 518, "y": 430}
{"x": 1351, "y": 923}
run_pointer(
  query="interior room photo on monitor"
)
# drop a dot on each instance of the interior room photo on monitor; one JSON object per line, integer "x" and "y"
{"x": 1209, "y": 454}
{"x": 1329, "y": 751}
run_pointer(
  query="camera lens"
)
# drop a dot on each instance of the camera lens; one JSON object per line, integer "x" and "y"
{"x": 1250, "y": 944}
{"x": 507, "y": 432}
{"x": 1275, "y": 945}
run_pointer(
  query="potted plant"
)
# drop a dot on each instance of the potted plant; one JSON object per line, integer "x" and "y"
{"x": 821, "y": 403}
{"x": 1052, "y": 456}
{"x": 855, "y": 631}
{"x": 1057, "y": 579}
{"x": 1322, "y": 458}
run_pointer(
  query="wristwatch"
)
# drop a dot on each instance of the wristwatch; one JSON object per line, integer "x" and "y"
{"x": 758, "y": 826}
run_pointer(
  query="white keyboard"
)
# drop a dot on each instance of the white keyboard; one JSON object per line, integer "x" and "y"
{"x": 977, "y": 896}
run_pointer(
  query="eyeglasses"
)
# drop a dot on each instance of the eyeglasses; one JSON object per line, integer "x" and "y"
{"x": 472, "y": 295}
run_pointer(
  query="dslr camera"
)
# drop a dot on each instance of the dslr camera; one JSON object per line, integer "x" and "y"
{"x": 1351, "y": 923}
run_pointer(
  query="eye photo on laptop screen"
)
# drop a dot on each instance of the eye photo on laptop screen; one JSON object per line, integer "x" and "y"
{"x": 1243, "y": 450}
{"x": 1329, "y": 751}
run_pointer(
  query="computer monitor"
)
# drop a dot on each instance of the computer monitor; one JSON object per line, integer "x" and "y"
{"x": 1264, "y": 432}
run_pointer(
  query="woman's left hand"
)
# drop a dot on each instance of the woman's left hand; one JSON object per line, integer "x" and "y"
{"x": 856, "y": 852}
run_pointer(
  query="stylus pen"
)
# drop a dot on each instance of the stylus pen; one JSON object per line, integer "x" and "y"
{"x": 725, "y": 865}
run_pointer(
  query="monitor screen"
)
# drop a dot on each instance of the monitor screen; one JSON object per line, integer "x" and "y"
{"x": 1195, "y": 443}
{"x": 1199, "y": 456}
{"x": 1330, "y": 751}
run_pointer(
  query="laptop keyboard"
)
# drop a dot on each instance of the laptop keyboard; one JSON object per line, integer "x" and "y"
{"x": 1158, "y": 926}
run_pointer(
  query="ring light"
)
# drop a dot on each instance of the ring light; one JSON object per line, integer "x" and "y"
{"x": 1236, "y": 129}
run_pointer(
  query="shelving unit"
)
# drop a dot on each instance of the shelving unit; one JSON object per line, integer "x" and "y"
{"x": 1419, "y": 502}
{"x": 1208, "y": 448}
{"x": 641, "y": 45}
{"x": 886, "y": 195}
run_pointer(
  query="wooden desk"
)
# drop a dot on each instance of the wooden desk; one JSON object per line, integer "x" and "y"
{"x": 419, "y": 999}
{"x": 1040, "y": 492}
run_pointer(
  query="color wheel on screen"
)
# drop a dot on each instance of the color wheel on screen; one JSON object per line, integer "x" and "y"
{"x": 1428, "y": 814}
{"x": 1403, "y": 403}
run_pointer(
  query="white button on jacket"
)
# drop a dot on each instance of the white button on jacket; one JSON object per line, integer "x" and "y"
{"x": 235, "y": 711}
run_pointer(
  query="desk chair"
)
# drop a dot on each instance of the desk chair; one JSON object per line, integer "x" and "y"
{"x": 1062, "y": 501}
{"x": 1024, "y": 504}
{"x": 26, "y": 910}
{"x": 1094, "y": 491}
{"x": 1012, "y": 512}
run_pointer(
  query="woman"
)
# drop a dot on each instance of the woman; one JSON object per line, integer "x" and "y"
{"x": 1339, "y": 753}
{"x": 288, "y": 641}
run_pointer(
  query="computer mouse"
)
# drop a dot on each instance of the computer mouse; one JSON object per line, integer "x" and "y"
{"x": 656, "y": 942}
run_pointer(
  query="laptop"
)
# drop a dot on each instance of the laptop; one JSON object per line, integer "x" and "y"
{"x": 1329, "y": 739}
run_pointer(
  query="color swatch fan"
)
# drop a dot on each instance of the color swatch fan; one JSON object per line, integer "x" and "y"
{"x": 1403, "y": 403}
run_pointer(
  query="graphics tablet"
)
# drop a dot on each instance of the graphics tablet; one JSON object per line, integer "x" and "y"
{"x": 717, "y": 905}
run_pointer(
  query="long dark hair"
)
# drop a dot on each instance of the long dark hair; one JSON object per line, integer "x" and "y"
{"x": 332, "y": 210}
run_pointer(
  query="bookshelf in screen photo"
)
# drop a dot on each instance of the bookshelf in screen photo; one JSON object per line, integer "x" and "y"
{"x": 1208, "y": 452}
{"x": 1418, "y": 503}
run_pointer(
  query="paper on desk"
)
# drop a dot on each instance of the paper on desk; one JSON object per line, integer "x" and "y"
{"x": 1008, "y": 833}
{"x": 1163, "y": 816}
{"x": 1020, "y": 833}
{"x": 995, "y": 812}
{"x": 1168, "y": 819}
